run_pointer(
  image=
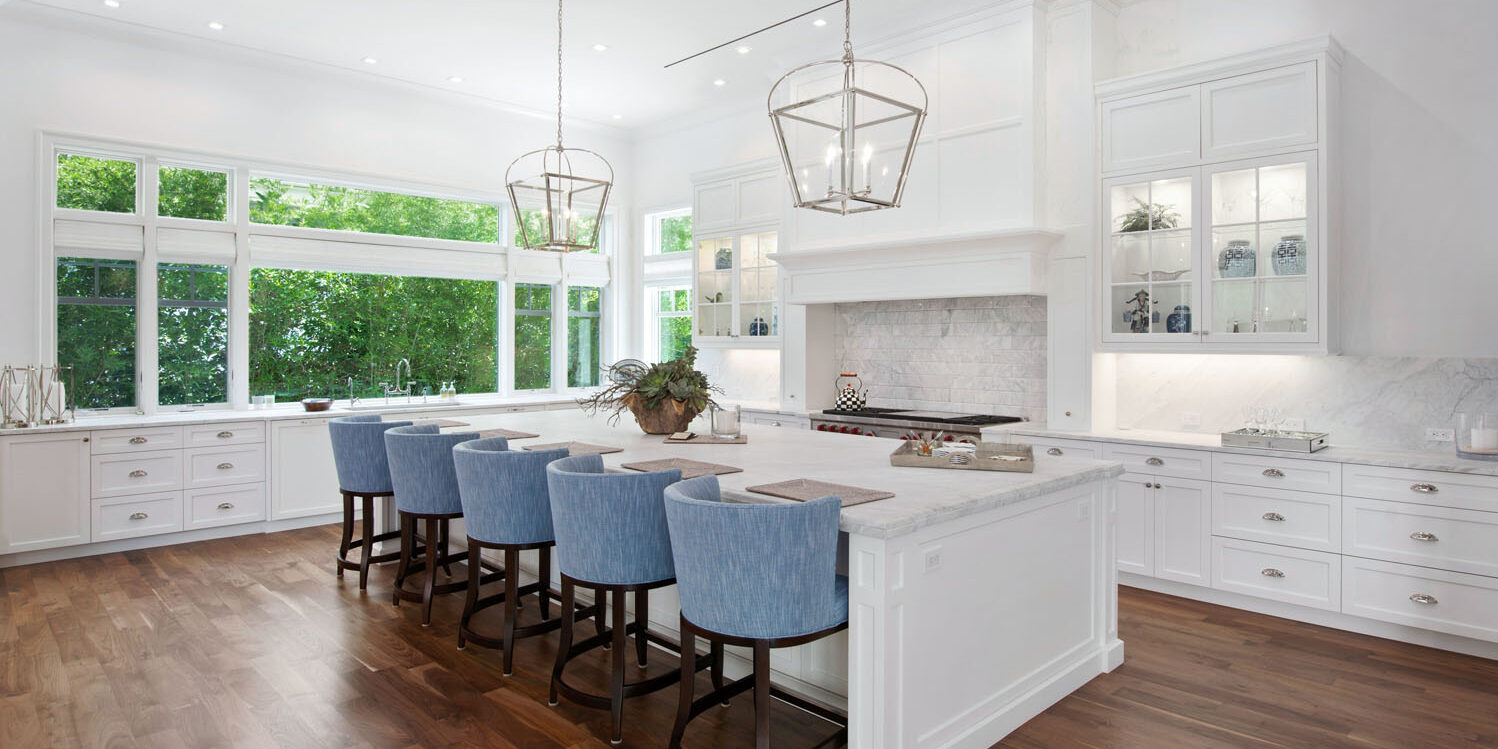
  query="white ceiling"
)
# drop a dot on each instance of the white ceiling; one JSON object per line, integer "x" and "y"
{"x": 505, "y": 50}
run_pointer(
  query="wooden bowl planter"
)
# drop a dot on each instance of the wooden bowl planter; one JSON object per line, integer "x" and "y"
{"x": 668, "y": 417}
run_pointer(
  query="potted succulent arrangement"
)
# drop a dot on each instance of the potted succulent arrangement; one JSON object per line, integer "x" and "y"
{"x": 664, "y": 397}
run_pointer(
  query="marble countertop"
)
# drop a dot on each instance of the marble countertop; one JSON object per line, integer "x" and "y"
{"x": 923, "y": 496}
{"x": 1425, "y": 461}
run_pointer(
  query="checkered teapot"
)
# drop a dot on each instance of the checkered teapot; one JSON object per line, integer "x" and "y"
{"x": 850, "y": 393}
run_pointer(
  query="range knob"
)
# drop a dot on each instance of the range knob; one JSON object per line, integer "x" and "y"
{"x": 845, "y": 430}
{"x": 948, "y": 438}
{"x": 821, "y": 427}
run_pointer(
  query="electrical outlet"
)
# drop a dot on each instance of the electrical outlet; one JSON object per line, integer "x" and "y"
{"x": 1436, "y": 434}
{"x": 1191, "y": 420}
{"x": 933, "y": 559}
{"x": 1294, "y": 424}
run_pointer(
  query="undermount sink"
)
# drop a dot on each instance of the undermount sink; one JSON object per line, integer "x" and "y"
{"x": 379, "y": 404}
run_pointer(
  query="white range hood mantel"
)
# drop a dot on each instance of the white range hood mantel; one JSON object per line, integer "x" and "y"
{"x": 990, "y": 263}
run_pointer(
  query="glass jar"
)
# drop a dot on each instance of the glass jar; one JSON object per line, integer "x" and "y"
{"x": 726, "y": 422}
{"x": 1477, "y": 435}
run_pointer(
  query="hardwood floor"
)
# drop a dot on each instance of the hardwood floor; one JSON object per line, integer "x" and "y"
{"x": 253, "y": 642}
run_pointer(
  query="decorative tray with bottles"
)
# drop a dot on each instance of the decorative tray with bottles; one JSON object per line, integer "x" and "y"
{"x": 981, "y": 456}
{"x": 1300, "y": 442}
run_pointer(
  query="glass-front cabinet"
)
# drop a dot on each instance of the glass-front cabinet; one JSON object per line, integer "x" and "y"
{"x": 737, "y": 290}
{"x": 1213, "y": 256}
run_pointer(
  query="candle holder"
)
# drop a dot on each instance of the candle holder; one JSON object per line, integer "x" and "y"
{"x": 1477, "y": 435}
{"x": 54, "y": 388}
{"x": 15, "y": 396}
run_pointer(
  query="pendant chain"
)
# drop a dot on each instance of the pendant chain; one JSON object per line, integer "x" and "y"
{"x": 847, "y": 30}
{"x": 559, "y": 75}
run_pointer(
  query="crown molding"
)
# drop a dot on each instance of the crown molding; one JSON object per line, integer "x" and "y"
{"x": 1316, "y": 47}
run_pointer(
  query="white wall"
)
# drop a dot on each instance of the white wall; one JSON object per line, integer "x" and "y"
{"x": 68, "y": 74}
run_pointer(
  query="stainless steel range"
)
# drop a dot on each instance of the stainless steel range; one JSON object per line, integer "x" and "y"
{"x": 895, "y": 423}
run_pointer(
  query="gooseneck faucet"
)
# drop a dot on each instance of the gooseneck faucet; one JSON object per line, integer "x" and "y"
{"x": 353, "y": 400}
{"x": 398, "y": 390}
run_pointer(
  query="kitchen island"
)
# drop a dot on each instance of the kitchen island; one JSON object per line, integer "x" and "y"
{"x": 976, "y": 599}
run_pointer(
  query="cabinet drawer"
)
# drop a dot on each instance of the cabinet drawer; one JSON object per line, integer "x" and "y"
{"x": 1439, "y": 488}
{"x": 136, "y": 440}
{"x": 220, "y": 466}
{"x": 234, "y": 433}
{"x": 1441, "y": 537}
{"x": 136, "y": 473}
{"x": 1058, "y": 448}
{"x": 1304, "y": 520}
{"x": 207, "y": 508}
{"x": 143, "y": 515}
{"x": 1307, "y": 578}
{"x": 1450, "y": 602}
{"x": 1278, "y": 473}
{"x": 1162, "y": 461}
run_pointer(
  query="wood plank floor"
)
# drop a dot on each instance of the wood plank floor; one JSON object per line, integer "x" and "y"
{"x": 252, "y": 642}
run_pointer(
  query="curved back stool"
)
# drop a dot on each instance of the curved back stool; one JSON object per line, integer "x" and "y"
{"x": 363, "y": 473}
{"x": 757, "y": 575}
{"x": 612, "y": 539}
{"x": 426, "y": 489}
{"x": 506, "y": 507}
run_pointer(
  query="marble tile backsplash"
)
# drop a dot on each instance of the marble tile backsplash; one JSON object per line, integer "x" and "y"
{"x": 1363, "y": 401}
{"x": 979, "y": 354}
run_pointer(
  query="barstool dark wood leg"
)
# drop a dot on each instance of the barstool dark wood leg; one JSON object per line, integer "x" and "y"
{"x": 442, "y": 524}
{"x": 431, "y": 571}
{"x": 684, "y": 690}
{"x": 616, "y": 674}
{"x": 564, "y": 646}
{"x": 471, "y": 601}
{"x": 511, "y": 606}
{"x": 642, "y": 618}
{"x": 367, "y": 533}
{"x": 600, "y": 604}
{"x": 715, "y": 650}
{"x": 401, "y": 568}
{"x": 348, "y": 532}
{"x": 762, "y": 695}
{"x": 544, "y": 565}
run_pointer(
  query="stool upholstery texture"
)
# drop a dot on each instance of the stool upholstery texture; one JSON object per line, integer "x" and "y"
{"x": 422, "y": 469}
{"x": 359, "y": 453}
{"x": 610, "y": 527}
{"x": 504, "y": 492}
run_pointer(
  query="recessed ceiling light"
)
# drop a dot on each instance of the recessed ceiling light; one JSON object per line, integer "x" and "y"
{"x": 618, "y": 116}
{"x": 215, "y": 25}
{"x": 819, "y": 23}
{"x": 720, "y": 82}
{"x": 111, "y": 3}
{"x": 370, "y": 61}
{"x": 600, "y": 48}
{"x": 455, "y": 79}
{"x": 743, "y": 49}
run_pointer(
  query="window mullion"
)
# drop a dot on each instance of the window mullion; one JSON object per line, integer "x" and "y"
{"x": 147, "y": 320}
{"x": 239, "y": 290}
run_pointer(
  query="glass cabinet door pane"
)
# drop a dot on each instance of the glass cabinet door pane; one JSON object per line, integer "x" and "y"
{"x": 1152, "y": 257}
{"x": 1260, "y": 250}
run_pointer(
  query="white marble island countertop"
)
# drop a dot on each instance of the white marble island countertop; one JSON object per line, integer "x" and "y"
{"x": 923, "y": 496}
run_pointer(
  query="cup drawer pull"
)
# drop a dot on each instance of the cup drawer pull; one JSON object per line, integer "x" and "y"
{"x": 1055, "y": 451}
{"x": 138, "y": 440}
{"x": 225, "y": 466}
{"x": 1424, "y": 488}
{"x": 138, "y": 516}
{"x": 226, "y": 505}
{"x": 225, "y": 435}
{"x": 1424, "y": 599}
{"x": 137, "y": 474}
{"x": 1154, "y": 461}
{"x": 1274, "y": 473}
{"x": 1275, "y": 516}
{"x": 1271, "y": 572}
{"x": 1423, "y": 536}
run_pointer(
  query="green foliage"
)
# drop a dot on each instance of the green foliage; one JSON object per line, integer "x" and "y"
{"x": 193, "y": 334}
{"x": 193, "y": 193}
{"x": 274, "y": 201}
{"x": 93, "y": 184}
{"x": 1145, "y": 216}
{"x": 532, "y": 336}
{"x": 676, "y": 234}
{"x": 584, "y": 335}
{"x": 96, "y": 330}
{"x": 631, "y": 381}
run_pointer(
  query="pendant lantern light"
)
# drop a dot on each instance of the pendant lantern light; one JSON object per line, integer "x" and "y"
{"x": 847, "y": 130}
{"x": 558, "y": 193}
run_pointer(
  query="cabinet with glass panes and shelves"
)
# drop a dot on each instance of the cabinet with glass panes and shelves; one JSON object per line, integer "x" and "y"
{"x": 1223, "y": 257}
{"x": 737, "y": 288}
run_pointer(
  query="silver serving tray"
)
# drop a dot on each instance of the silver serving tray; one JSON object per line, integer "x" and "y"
{"x": 1300, "y": 442}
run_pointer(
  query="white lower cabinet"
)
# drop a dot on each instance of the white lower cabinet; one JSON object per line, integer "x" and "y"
{"x": 304, "y": 481}
{"x": 121, "y": 474}
{"x": 44, "y": 491}
{"x": 137, "y": 515}
{"x": 1309, "y": 578}
{"x": 1440, "y": 537}
{"x": 1275, "y": 516}
{"x": 1132, "y": 536}
{"x": 1163, "y": 525}
{"x": 224, "y": 505}
{"x": 1451, "y": 602}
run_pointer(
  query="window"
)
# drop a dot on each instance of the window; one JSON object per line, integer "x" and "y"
{"x": 284, "y": 203}
{"x": 312, "y": 330}
{"x": 670, "y": 320}
{"x": 669, "y": 232}
{"x": 96, "y": 329}
{"x": 95, "y": 184}
{"x": 192, "y": 334}
{"x": 584, "y": 335}
{"x": 532, "y": 336}
{"x": 193, "y": 193}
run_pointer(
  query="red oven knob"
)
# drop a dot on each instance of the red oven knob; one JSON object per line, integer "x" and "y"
{"x": 948, "y": 438}
{"x": 870, "y": 434}
{"x": 846, "y": 430}
{"x": 821, "y": 427}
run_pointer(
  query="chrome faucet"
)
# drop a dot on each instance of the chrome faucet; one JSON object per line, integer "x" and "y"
{"x": 398, "y": 390}
{"x": 353, "y": 400}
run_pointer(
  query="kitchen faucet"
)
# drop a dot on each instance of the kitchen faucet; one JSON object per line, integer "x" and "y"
{"x": 353, "y": 400}
{"x": 398, "y": 390}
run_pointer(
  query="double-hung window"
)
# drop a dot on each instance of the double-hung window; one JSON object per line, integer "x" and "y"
{"x": 668, "y": 283}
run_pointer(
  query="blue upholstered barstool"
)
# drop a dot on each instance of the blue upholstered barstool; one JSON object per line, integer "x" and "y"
{"x": 612, "y": 539}
{"x": 426, "y": 489}
{"x": 363, "y": 473}
{"x": 506, "y": 507}
{"x": 756, "y": 575}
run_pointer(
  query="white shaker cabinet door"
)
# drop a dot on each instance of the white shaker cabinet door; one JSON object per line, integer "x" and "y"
{"x": 1134, "y": 523}
{"x": 1261, "y": 112}
{"x": 304, "y": 480}
{"x": 1183, "y": 530}
{"x": 44, "y": 492}
{"x": 1152, "y": 131}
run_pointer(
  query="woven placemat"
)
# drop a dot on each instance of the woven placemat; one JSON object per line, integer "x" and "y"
{"x": 509, "y": 434}
{"x": 577, "y": 448}
{"x": 690, "y": 469}
{"x": 708, "y": 439}
{"x": 439, "y": 423}
{"x": 802, "y": 490}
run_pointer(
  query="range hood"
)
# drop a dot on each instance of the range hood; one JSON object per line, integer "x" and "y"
{"x": 989, "y": 263}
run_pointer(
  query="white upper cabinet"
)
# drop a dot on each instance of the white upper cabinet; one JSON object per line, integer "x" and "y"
{"x": 1261, "y": 112}
{"x": 736, "y": 295}
{"x": 1152, "y": 130}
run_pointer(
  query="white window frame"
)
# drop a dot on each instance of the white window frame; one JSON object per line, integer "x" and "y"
{"x": 653, "y": 314}
{"x": 653, "y": 230}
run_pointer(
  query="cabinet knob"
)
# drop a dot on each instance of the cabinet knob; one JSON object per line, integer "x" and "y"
{"x": 1424, "y": 536}
{"x": 1055, "y": 451}
{"x": 1271, "y": 572}
{"x": 225, "y": 435}
{"x": 226, "y": 505}
{"x": 225, "y": 466}
{"x": 138, "y": 516}
{"x": 137, "y": 474}
{"x": 1275, "y": 516}
{"x": 1424, "y": 488}
{"x": 1274, "y": 473}
{"x": 1154, "y": 461}
{"x": 85, "y": 439}
{"x": 1424, "y": 599}
{"x": 138, "y": 440}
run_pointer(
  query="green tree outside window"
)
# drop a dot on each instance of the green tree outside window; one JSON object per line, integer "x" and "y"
{"x": 96, "y": 329}
{"x": 282, "y": 203}
{"x": 532, "y": 336}
{"x": 95, "y": 184}
{"x": 193, "y": 193}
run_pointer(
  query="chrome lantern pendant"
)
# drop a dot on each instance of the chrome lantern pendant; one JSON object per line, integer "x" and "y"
{"x": 847, "y": 130}
{"x": 559, "y": 194}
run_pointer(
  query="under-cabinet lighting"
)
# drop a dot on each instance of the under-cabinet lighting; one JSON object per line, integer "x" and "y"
{"x": 215, "y": 25}
{"x": 370, "y": 60}
{"x": 111, "y": 3}
{"x": 719, "y": 82}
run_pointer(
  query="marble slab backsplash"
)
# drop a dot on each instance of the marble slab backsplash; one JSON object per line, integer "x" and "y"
{"x": 978, "y": 354}
{"x": 1363, "y": 401}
